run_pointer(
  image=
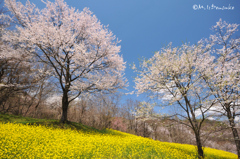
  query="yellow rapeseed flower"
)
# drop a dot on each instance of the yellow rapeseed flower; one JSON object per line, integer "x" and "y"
{"x": 25, "y": 141}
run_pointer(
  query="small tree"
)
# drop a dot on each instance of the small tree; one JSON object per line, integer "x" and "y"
{"x": 118, "y": 123}
{"x": 129, "y": 109}
{"x": 82, "y": 53}
{"x": 174, "y": 75}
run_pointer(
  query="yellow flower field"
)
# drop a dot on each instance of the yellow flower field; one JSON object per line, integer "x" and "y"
{"x": 25, "y": 141}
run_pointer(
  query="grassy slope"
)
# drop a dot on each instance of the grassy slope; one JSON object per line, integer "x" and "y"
{"x": 4, "y": 118}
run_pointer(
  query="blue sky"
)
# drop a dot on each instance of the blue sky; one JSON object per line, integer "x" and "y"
{"x": 145, "y": 26}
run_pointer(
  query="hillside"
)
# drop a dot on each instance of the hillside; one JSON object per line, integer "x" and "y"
{"x": 22, "y": 137}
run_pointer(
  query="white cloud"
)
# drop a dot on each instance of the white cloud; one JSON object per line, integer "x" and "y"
{"x": 210, "y": 118}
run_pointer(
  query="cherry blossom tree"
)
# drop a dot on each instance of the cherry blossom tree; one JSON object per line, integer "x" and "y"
{"x": 82, "y": 53}
{"x": 223, "y": 79}
{"x": 173, "y": 75}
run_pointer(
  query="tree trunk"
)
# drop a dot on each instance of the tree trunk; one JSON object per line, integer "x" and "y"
{"x": 136, "y": 127}
{"x": 237, "y": 140}
{"x": 234, "y": 131}
{"x": 196, "y": 128}
{"x": 65, "y": 101}
{"x": 65, "y": 104}
{"x": 199, "y": 146}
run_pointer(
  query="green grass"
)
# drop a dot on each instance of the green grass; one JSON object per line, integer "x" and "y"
{"x": 5, "y": 118}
